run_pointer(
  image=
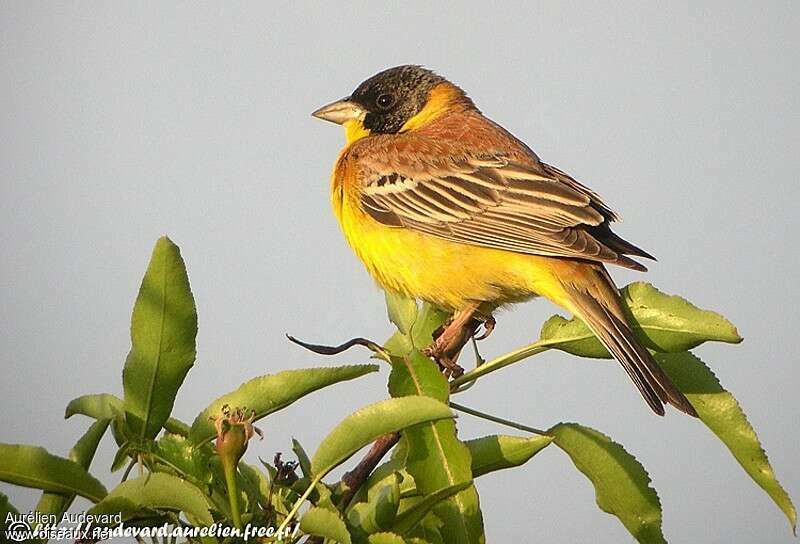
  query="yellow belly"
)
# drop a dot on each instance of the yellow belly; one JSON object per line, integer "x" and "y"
{"x": 448, "y": 274}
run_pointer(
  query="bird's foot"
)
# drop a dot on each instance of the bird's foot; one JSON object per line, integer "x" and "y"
{"x": 451, "y": 338}
{"x": 488, "y": 328}
{"x": 447, "y": 364}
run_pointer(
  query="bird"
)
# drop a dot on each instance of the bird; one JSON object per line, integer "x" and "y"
{"x": 444, "y": 205}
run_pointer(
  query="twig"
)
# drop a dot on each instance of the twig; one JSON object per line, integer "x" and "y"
{"x": 498, "y": 363}
{"x": 495, "y": 419}
{"x": 354, "y": 479}
{"x": 335, "y": 350}
{"x": 479, "y": 361}
{"x": 128, "y": 470}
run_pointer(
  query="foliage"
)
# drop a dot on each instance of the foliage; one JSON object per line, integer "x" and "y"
{"x": 425, "y": 493}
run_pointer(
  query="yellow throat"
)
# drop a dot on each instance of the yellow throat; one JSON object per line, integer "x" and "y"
{"x": 440, "y": 99}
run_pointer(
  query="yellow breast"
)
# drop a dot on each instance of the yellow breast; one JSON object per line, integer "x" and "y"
{"x": 444, "y": 273}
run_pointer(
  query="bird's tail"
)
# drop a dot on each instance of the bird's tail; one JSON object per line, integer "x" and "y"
{"x": 596, "y": 301}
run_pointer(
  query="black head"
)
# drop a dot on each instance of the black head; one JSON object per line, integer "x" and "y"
{"x": 386, "y": 102}
{"x": 394, "y": 96}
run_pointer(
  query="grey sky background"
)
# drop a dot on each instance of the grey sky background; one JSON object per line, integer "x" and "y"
{"x": 124, "y": 121}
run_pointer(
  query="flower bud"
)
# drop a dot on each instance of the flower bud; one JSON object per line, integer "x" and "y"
{"x": 234, "y": 431}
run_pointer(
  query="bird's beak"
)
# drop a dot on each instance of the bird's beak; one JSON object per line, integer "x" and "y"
{"x": 340, "y": 112}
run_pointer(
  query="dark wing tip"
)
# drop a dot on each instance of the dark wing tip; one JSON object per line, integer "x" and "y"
{"x": 604, "y": 234}
{"x": 627, "y": 262}
{"x": 639, "y": 252}
{"x": 683, "y": 404}
{"x": 658, "y": 409}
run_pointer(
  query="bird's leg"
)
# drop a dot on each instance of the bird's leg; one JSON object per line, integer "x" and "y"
{"x": 448, "y": 344}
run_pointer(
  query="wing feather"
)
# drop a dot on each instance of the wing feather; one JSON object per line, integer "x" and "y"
{"x": 494, "y": 202}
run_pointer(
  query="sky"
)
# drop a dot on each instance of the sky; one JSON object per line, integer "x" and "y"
{"x": 124, "y": 121}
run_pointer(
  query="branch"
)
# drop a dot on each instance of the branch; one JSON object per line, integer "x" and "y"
{"x": 498, "y": 363}
{"x": 495, "y": 419}
{"x": 335, "y": 350}
{"x": 354, "y": 479}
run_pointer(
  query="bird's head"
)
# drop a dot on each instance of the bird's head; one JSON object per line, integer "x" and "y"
{"x": 396, "y": 100}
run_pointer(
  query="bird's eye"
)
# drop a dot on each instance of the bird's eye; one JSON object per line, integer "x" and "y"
{"x": 385, "y": 101}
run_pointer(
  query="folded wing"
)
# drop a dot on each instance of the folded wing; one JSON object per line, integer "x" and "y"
{"x": 493, "y": 202}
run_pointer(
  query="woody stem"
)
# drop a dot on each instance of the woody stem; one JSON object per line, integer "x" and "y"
{"x": 356, "y": 477}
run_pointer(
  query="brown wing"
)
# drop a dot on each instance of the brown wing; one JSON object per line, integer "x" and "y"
{"x": 493, "y": 202}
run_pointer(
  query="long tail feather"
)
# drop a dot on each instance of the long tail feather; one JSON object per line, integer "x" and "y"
{"x": 599, "y": 307}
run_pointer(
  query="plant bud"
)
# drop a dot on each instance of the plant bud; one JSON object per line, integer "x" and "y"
{"x": 234, "y": 431}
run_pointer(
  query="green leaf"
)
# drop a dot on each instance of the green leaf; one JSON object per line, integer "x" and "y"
{"x": 121, "y": 457}
{"x": 429, "y": 319}
{"x": 429, "y": 530}
{"x": 378, "y": 513}
{"x": 410, "y": 517}
{"x": 319, "y": 494}
{"x": 415, "y": 374}
{"x": 257, "y": 481}
{"x": 361, "y": 520}
{"x": 6, "y": 508}
{"x": 302, "y": 458}
{"x": 324, "y": 498}
{"x": 184, "y": 457}
{"x": 163, "y": 331}
{"x": 32, "y": 466}
{"x": 661, "y": 322}
{"x": 106, "y": 406}
{"x": 622, "y": 486}
{"x": 7, "y": 515}
{"x": 273, "y": 392}
{"x": 98, "y": 406}
{"x": 395, "y": 465}
{"x": 497, "y": 452}
{"x": 435, "y": 458}
{"x": 324, "y": 523}
{"x": 371, "y": 422}
{"x": 385, "y": 538}
{"x": 155, "y": 491}
{"x": 721, "y": 413}
{"x": 385, "y": 496}
{"x": 82, "y": 454}
{"x": 84, "y": 449}
{"x": 402, "y": 311}
{"x": 398, "y": 344}
{"x": 176, "y": 426}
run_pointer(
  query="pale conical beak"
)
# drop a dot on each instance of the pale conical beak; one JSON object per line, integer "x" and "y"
{"x": 340, "y": 112}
